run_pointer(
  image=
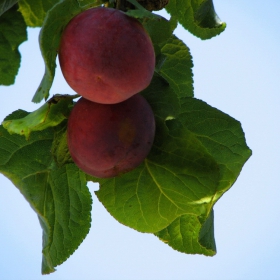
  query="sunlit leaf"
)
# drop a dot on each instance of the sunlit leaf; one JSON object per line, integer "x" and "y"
{"x": 223, "y": 138}
{"x": 50, "y": 114}
{"x": 34, "y": 11}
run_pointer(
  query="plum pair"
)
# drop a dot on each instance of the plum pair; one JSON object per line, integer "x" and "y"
{"x": 108, "y": 58}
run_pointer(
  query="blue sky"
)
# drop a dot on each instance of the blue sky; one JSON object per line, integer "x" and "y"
{"x": 236, "y": 72}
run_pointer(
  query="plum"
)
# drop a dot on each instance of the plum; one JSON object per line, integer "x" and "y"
{"x": 106, "y": 140}
{"x": 106, "y": 56}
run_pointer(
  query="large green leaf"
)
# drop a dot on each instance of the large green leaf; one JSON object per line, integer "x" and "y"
{"x": 12, "y": 34}
{"x": 59, "y": 196}
{"x": 6, "y": 5}
{"x": 197, "y": 16}
{"x": 196, "y": 157}
{"x": 221, "y": 135}
{"x": 224, "y": 140}
{"x": 54, "y": 23}
{"x": 178, "y": 177}
{"x": 34, "y": 11}
{"x": 167, "y": 185}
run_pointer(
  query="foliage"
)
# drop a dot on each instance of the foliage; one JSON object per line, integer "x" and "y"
{"x": 12, "y": 34}
{"x": 197, "y": 155}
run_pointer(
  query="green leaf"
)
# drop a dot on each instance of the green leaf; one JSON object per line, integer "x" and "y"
{"x": 173, "y": 58}
{"x": 174, "y": 61}
{"x": 186, "y": 234}
{"x": 55, "y": 21}
{"x": 160, "y": 30}
{"x": 6, "y": 5}
{"x": 206, "y": 234}
{"x": 224, "y": 140}
{"x": 197, "y": 16}
{"x": 175, "y": 66}
{"x": 162, "y": 98}
{"x": 178, "y": 177}
{"x": 221, "y": 135}
{"x": 50, "y": 114}
{"x": 12, "y": 34}
{"x": 196, "y": 157}
{"x": 72, "y": 207}
{"x": 34, "y": 11}
{"x": 149, "y": 198}
{"x": 59, "y": 196}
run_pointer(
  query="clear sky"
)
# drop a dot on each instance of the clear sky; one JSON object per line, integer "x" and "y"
{"x": 236, "y": 72}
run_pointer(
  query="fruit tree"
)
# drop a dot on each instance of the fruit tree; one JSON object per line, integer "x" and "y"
{"x": 161, "y": 157}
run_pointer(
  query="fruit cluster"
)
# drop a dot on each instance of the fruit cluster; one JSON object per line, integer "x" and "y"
{"x": 107, "y": 57}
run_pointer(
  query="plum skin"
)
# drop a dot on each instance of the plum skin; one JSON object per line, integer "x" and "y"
{"x": 107, "y": 140}
{"x": 106, "y": 56}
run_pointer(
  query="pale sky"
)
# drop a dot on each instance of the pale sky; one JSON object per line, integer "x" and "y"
{"x": 236, "y": 72}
